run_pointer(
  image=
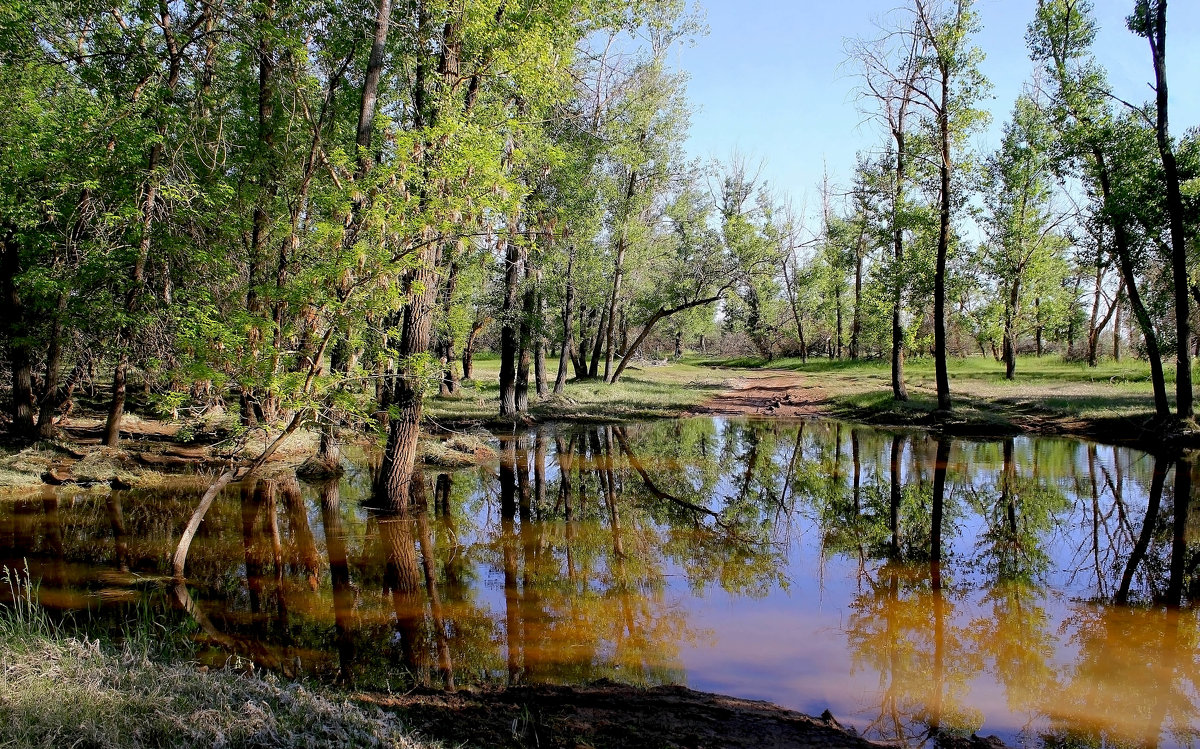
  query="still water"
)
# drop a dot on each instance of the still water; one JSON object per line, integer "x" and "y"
{"x": 911, "y": 585}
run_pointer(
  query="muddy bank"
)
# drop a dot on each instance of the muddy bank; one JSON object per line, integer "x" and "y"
{"x": 612, "y": 715}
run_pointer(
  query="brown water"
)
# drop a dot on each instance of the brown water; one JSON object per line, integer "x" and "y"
{"x": 784, "y": 561}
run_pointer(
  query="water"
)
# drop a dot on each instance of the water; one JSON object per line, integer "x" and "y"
{"x": 785, "y": 561}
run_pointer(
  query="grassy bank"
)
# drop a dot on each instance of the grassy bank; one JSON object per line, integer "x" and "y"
{"x": 58, "y": 689}
{"x": 1047, "y": 394}
{"x": 645, "y": 391}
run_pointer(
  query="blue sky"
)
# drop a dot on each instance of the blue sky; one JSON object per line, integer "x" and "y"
{"x": 771, "y": 79}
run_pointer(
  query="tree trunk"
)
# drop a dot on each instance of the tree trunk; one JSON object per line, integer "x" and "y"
{"x": 856, "y": 320}
{"x": 19, "y": 348}
{"x": 400, "y": 455}
{"x": 539, "y": 345}
{"x": 1038, "y": 328}
{"x": 1116, "y": 346}
{"x": 449, "y": 384}
{"x": 942, "y": 373}
{"x": 597, "y": 348}
{"x": 1123, "y": 253}
{"x": 899, "y": 389}
{"x": 1010, "y": 328}
{"x": 1156, "y": 32}
{"x": 525, "y": 344}
{"x": 468, "y": 355}
{"x": 508, "y": 333}
{"x": 567, "y": 350}
{"x": 837, "y": 296}
{"x": 618, "y": 271}
{"x": 659, "y": 314}
{"x": 791, "y": 283}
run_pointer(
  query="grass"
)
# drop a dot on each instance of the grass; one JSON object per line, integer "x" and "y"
{"x": 644, "y": 391}
{"x": 61, "y": 690}
{"x": 1044, "y": 386}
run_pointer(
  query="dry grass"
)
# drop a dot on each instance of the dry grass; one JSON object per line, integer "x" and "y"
{"x": 57, "y": 690}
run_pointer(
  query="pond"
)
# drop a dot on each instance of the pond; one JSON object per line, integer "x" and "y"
{"x": 1038, "y": 589}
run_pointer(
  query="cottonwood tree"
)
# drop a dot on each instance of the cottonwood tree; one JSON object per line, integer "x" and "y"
{"x": 1023, "y": 255}
{"x": 890, "y": 70}
{"x": 1106, "y": 149}
{"x": 1149, "y": 19}
{"x": 948, "y": 88}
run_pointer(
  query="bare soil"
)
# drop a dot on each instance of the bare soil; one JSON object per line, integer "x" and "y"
{"x": 613, "y": 715}
{"x": 773, "y": 393}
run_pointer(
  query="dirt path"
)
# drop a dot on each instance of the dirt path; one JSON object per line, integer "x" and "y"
{"x": 768, "y": 392}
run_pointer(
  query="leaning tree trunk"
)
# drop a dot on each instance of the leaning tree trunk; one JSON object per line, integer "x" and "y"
{"x": 659, "y": 314}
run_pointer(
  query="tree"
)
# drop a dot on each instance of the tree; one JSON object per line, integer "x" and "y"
{"x": 948, "y": 86}
{"x": 1023, "y": 255}
{"x": 1149, "y": 19}
{"x": 1107, "y": 147}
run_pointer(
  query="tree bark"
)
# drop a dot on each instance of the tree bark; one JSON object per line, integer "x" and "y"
{"x": 618, "y": 272}
{"x": 941, "y": 371}
{"x": 404, "y": 427}
{"x": 598, "y": 346}
{"x": 899, "y": 388}
{"x": 508, "y": 333}
{"x": 20, "y": 352}
{"x": 567, "y": 350}
{"x": 1156, "y": 32}
{"x": 449, "y": 384}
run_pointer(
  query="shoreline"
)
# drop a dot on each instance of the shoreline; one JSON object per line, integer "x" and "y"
{"x": 151, "y": 456}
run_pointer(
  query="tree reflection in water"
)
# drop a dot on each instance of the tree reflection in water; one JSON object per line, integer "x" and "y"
{"x": 1042, "y": 589}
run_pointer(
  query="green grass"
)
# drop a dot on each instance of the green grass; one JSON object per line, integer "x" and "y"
{"x": 62, "y": 690}
{"x": 644, "y": 392}
{"x": 1047, "y": 385}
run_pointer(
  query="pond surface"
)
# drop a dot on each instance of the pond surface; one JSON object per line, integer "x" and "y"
{"x": 790, "y": 561}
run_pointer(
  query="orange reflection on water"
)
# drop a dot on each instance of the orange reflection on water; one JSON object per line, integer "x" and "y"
{"x": 788, "y": 562}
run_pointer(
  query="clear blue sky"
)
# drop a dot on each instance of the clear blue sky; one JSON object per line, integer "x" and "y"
{"x": 771, "y": 79}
